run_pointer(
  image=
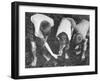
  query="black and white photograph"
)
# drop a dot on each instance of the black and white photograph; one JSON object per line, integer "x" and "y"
{"x": 50, "y": 40}
{"x": 53, "y": 40}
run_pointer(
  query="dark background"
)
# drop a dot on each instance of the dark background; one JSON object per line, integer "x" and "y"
{"x": 29, "y": 29}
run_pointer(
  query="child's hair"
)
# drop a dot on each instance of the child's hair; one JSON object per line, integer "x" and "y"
{"x": 63, "y": 35}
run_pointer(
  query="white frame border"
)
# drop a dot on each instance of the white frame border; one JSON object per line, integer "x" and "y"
{"x": 54, "y": 70}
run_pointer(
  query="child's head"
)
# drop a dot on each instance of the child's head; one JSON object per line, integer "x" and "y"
{"x": 45, "y": 28}
{"x": 63, "y": 38}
